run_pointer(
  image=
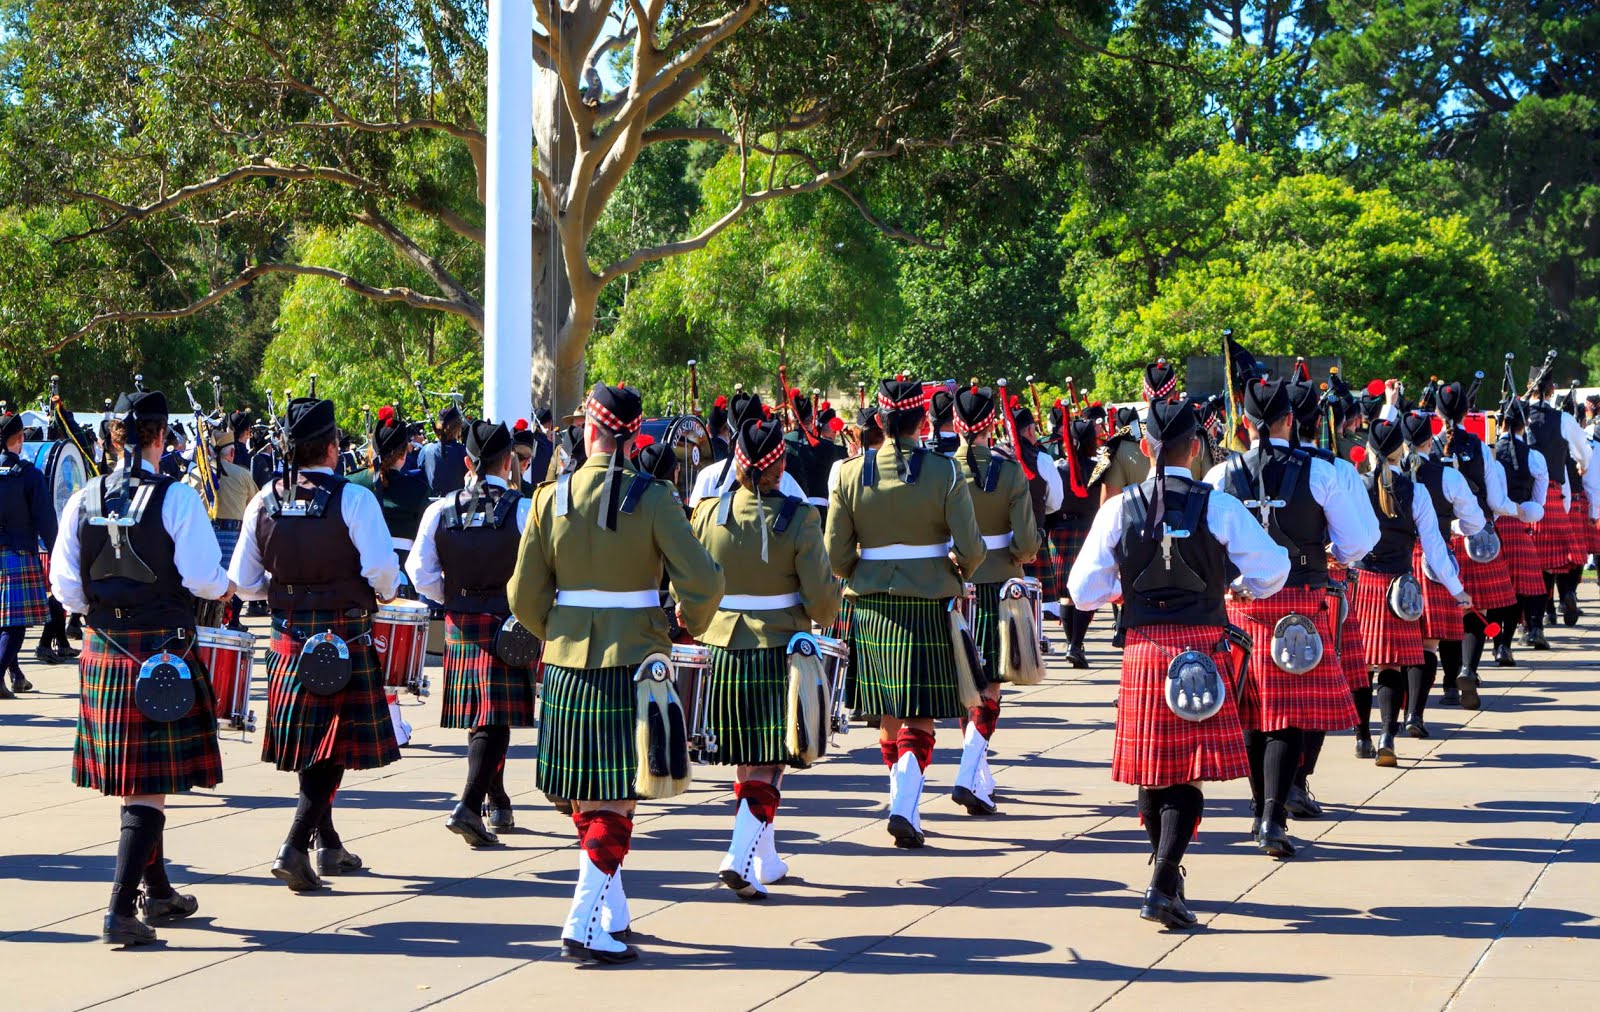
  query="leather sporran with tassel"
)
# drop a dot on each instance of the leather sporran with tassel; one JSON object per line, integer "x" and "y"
{"x": 807, "y": 708}
{"x": 1020, "y": 663}
{"x": 969, "y": 663}
{"x": 661, "y": 732}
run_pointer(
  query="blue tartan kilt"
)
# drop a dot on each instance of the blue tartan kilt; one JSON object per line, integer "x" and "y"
{"x": 227, "y": 541}
{"x": 23, "y": 596}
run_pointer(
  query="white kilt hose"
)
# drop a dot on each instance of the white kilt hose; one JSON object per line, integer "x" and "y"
{"x": 1390, "y": 641}
{"x": 1272, "y": 699}
{"x": 1155, "y": 747}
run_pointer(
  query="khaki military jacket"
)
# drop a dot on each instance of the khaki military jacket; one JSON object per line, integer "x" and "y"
{"x": 936, "y": 510}
{"x": 796, "y": 563}
{"x": 235, "y": 489}
{"x": 574, "y": 553}
{"x": 1006, "y": 510}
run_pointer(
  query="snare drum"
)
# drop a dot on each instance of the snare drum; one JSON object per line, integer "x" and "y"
{"x": 836, "y": 662}
{"x": 967, "y": 603}
{"x": 229, "y": 660}
{"x": 399, "y": 634}
{"x": 691, "y": 663}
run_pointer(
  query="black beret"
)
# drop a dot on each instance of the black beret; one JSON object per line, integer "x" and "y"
{"x": 449, "y": 413}
{"x": 10, "y": 424}
{"x": 1385, "y": 437}
{"x": 1453, "y": 402}
{"x": 486, "y": 439}
{"x": 1514, "y": 412}
{"x": 523, "y": 437}
{"x": 801, "y": 404}
{"x": 1126, "y": 416}
{"x": 1083, "y": 431}
{"x": 310, "y": 418}
{"x": 1265, "y": 401}
{"x": 759, "y": 445}
{"x": 1160, "y": 380}
{"x": 1169, "y": 421}
{"x": 1095, "y": 412}
{"x": 617, "y": 410}
{"x": 148, "y": 405}
{"x": 1417, "y": 428}
{"x": 1022, "y": 417}
{"x": 975, "y": 409}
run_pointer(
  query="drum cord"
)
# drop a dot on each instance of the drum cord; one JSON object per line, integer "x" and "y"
{"x": 72, "y": 435}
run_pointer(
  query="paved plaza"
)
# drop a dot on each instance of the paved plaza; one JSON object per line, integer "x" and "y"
{"x": 1463, "y": 879}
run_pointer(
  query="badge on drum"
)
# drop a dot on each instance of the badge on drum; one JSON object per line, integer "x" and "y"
{"x": 1483, "y": 546}
{"x": 1296, "y": 644}
{"x": 807, "y": 710}
{"x": 662, "y": 733}
{"x": 325, "y": 664}
{"x": 165, "y": 688}
{"x": 1405, "y": 598}
{"x": 514, "y": 645}
{"x": 1195, "y": 688}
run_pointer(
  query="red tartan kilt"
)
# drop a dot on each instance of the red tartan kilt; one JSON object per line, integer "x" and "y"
{"x": 1390, "y": 641}
{"x": 1517, "y": 547}
{"x": 1270, "y": 698}
{"x": 1487, "y": 583}
{"x": 1352, "y": 648}
{"x": 480, "y": 690}
{"x": 1556, "y": 534}
{"x": 1441, "y": 615}
{"x": 1589, "y": 543}
{"x": 1155, "y": 747}
{"x": 350, "y": 727}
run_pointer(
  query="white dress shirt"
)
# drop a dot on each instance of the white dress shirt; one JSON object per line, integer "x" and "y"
{"x": 195, "y": 552}
{"x": 1053, "y": 491}
{"x": 423, "y": 565}
{"x": 1494, "y": 487}
{"x": 1469, "y": 515}
{"x": 1352, "y": 523}
{"x": 711, "y": 482}
{"x": 1263, "y": 564}
{"x": 362, "y": 516}
{"x": 1591, "y": 485}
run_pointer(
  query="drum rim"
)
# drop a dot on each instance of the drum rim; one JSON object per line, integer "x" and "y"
{"x": 211, "y": 636}
{"x": 691, "y": 653}
{"x": 412, "y": 613}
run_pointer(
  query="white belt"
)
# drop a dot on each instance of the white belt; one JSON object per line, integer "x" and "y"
{"x": 402, "y": 544}
{"x": 997, "y": 540}
{"x": 608, "y": 598}
{"x": 758, "y": 602}
{"x": 890, "y": 553}
{"x": 813, "y": 500}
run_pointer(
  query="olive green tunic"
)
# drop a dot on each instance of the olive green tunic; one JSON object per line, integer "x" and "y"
{"x": 1006, "y": 510}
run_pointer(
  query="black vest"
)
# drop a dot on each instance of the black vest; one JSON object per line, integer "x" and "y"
{"x": 122, "y": 603}
{"x": 479, "y": 553}
{"x": 403, "y": 498}
{"x": 1191, "y": 592}
{"x": 1544, "y": 435}
{"x": 1397, "y": 535}
{"x": 1470, "y": 453}
{"x": 1431, "y": 474}
{"x": 1513, "y": 456}
{"x": 312, "y": 559}
{"x": 1038, "y": 491}
{"x": 1300, "y": 525}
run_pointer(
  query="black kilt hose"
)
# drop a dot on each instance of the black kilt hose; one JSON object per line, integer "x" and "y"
{"x": 480, "y": 689}
{"x": 119, "y": 751}
{"x": 350, "y": 728}
{"x": 905, "y": 666}
{"x": 747, "y": 704}
{"x": 587, "y": 745}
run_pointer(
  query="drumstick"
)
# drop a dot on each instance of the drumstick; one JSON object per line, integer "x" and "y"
{"x": 1490, "y": 629}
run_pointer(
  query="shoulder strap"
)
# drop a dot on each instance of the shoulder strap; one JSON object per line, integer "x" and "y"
{"x": 563, "y": 493}
{"x": 786, "y": 514}
{"x": 725, "y": 507}
{"x": 505, "y": 507}
{"x": 914, "y": 465}
{"x": 991, "y": 474}
{"x": 1236, "y": 478}
{"x": 869, "y": 468}
{"x": 1291, "y": 473}
{"x": 635, "y": 492}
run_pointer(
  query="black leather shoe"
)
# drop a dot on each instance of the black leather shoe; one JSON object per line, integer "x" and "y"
{"x": 562, "y": 805}
{"x": 65, "y": 652}
{"x": 1300, "y": 804}
{"x": 122, "y": 929}
{"x": 1385, "y": 755}
{"x": 44, "y": 655}
{"x": 293, "y": 868}
{"x": 337, "y": 861}
{"x": 1534, "y": 637}
{"x": 1168, "y": 911}
{"x": 972, "y": 803}
{"x": 170, "y": 908}
{"x": 1119, "y": 639}
{"x": 1076, "y": 657}
{"x": 1364, "y": 749}
{"x": 1274, "y": 840}
{"x": 583, "y": 954}
{"x": 75, "y": 628}
{"x": 1569, "y": 609}
{"x": 1255, "y": 830}
{"x": 501, "y": 819}
{"x": 1417, "y": 729}
{"x": 1450, "y": 697}
{"x": 6, "y": 693}
{"x": 468, "y": 825}
{"x": 1469, "y": 692}
{"x": 1502, "y": 656}
{"x": 906, "y": 836}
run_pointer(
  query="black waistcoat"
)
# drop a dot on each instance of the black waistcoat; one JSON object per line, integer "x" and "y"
{"x": 313, "y": 561}
{"x": 1397, "y": 535}
{"x": 123, "y": 602}
{"x": 478, "y": 554}
{"x": 1191, "y": 591}
{"x": 1300, "y": 525}
{"x": 1544, "y": 435}
{"x": 1513, "y": 456}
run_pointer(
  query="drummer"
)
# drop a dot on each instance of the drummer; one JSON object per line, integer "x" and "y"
{"x": 322, "y": 563}
{"x": 234, "y": 488}
{"x": 402, "y": 495}
{"x": 27, "y": 519}
{"x": 465, "y": 552}
{"x": 778, "y": 584}
{"x": 138, "y": 585}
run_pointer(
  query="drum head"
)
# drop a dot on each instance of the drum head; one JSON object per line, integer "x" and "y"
{"x": 165, "y": 690}
{"x": 65, "y": 469}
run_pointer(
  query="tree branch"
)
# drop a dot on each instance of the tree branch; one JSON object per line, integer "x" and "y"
{"x": 374, "y": 219}
{"x": 900, "y": 234}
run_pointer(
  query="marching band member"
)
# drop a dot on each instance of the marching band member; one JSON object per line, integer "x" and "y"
{"x": 810, "y": 455}
{"x": 943, "y": 435}
{"x": 1527, "y": 481}
{"x": 1172, "y": 590}
{"x": 893, "y": 520}
{"x": 443, "y": 462}
{"x": 1080, "y": 500}
{"x": 27, "y": 519}
{"x": 586, "y": 583}
{"x": 1560, "y": 536}
{"x": 1487, "y": 583}
{"x": 1046, "y": 493}
{"x": 465, "y": 552}
{"x": 1458, "y": 514}
{"x": 402, "y": 495}
{"x": 233, "y": 488}
{"x": 137, "y": 587}
{"x": 1296, "y": 686}
{"x": 316, "y": 548}
{"x": 778, "y": 584}
{"x": 1405, "y": 516}
{"x": 1004, "y": 512}
{"x": 711, "y": 482}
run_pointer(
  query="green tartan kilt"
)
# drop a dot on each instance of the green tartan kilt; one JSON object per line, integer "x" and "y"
{"x": 745, "y": 709}
{"x": 904, "y": 664}
{"x": 481, "y": 690}
{"x": 986, "y": 627}
{"x": 587, "y": 745}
